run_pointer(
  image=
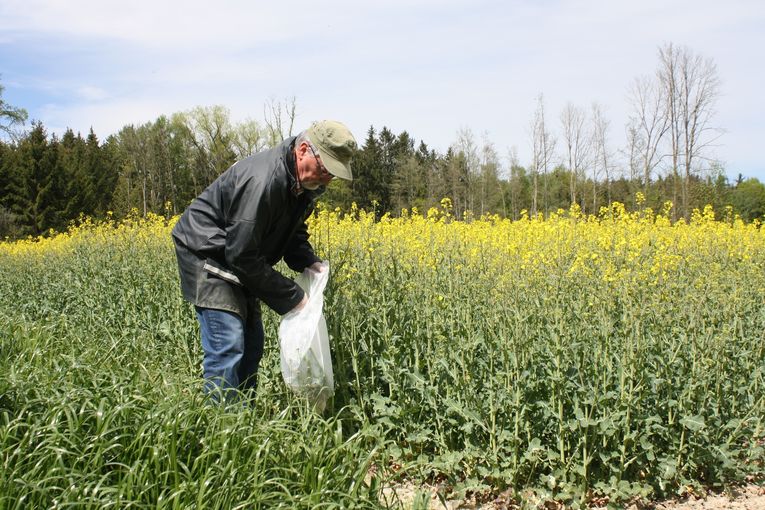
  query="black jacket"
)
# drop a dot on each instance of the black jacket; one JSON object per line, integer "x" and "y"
{"x": 229, "y": 238}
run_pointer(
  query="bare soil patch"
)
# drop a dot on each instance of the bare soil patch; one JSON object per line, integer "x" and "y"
{"x": 747, "y": 497}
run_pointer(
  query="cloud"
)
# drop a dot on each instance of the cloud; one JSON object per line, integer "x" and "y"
{"x": 90, "y": 93}
{"x": 105, "y": 119}
{"x": 428, "y": 67}
{"x": 153, "y": 24}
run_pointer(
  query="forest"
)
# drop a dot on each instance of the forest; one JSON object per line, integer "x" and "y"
{"x": 49, "y": 180}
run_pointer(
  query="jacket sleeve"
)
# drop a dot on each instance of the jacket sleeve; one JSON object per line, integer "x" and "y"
{"x": 299, "y": 253}
{"x": 244, "y": 234}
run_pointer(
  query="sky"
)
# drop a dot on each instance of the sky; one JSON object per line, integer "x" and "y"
{"x": 433, "y": 68}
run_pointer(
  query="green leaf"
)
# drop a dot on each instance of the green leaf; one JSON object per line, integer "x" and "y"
{"x": 694, "y": 423}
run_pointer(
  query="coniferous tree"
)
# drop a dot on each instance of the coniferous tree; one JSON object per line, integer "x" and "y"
{"x": 8, "y": 224}
{"x": 383, "y": 171}
{"x": 408, "y": 185}
{"x": 70, "y": 161}
{"x": 37, "y": 186}
{"x": 367, "y": 160}
{"x": 106, "y": 181}
{"x": 427, "y": 159}
{"x": 5, "y": 152}
{"x": 339, "y": 194}
{"x": 92, "y": 172}
{"x": 14, "y": 198}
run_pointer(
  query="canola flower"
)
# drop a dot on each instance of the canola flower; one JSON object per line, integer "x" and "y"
{"x": 153, "y": 229}
{"x": 617, "y": 246}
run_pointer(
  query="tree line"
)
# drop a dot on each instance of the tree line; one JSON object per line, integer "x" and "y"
{"x": 47, "y": 181}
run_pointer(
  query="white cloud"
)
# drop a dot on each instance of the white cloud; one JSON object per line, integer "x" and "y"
{"x": 152, "y": 23}
{"x": 89, "y": 93}
{"x": 428, "y": 67}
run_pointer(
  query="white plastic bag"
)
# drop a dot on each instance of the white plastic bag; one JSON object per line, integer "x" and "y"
{"x": 304, "y": 343}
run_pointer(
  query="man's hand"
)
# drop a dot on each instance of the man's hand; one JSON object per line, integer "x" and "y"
{"x": 317, "y": 267}
{"x": 300, "y": 305}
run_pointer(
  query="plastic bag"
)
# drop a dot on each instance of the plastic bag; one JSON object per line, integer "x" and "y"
{"x": 304, "y": 343}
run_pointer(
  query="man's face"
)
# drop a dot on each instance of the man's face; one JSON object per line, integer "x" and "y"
{"x": 311, "y": 170}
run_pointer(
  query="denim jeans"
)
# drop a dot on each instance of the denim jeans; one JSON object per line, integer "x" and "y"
{"x": 232, "y": 349}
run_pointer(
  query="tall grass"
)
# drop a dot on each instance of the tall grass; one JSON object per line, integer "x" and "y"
{"x": 101, "y": 403}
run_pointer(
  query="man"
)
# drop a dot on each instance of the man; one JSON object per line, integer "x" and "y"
{"x": 229, "y": 238}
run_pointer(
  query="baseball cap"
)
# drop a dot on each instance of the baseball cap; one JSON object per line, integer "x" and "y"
{"x": 336, "y": 146}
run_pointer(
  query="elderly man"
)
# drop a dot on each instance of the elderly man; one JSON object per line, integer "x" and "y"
{"x": 230, "y": 237}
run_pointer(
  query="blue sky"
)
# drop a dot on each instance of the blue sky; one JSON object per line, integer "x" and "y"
{"x": 429, "y": 67}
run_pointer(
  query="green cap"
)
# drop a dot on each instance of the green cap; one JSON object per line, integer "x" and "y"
{"x": 336, "y": 146}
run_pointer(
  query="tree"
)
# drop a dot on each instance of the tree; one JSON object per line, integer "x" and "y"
{"x": 408, "y": 184}
{"x": 280, "y": 119}
{"x": 37, "y": 187}
{"x": 248, "y": 138}
{"x": 366, "y": 175}
{"x": 713, "y": 189}
{"x": 134, "y": 175}
{"x": 648, "y": 124}
{"x": 491, "y": 195}
{"x": 181, "y": 164}
{"x": 578, "y": 145}
{"x": 157, "y": 162}
{"x": 436, "y": 187}
{"x": 384, "y": 171}
{"x": 749, "y": 199}
{"x": 106, "y": 183}
{"x": 79, "y": 192}
{"x": 690, "y": 85}
{"x": 519, "y": 188}
{"x": 210, "y": 135}
{"x": 10, "y": 116}
{"x": 5, "y": 154}
{"x": 162, "y": 170}
{"x": 543, "y": 149}
{"x": 393, "y": 150}
{"x": 602, "y": 154}
{"x": 9, "y": 225}
{"x": 464, "y": 172}
{"x": 430, "y": 187}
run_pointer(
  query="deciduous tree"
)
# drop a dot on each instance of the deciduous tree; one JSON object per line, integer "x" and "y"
{"x": 10, "y": 116}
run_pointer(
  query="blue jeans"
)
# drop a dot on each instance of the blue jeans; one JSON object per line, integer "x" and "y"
{"x": 232, "y": 349}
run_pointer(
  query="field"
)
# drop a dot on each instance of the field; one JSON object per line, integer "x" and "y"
{"x": 571, "y": 359}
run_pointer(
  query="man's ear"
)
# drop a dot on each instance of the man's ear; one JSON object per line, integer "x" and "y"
{"x": 302, "y": 149}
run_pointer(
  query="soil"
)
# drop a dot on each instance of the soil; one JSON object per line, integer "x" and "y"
{"x": 748, "y": 497}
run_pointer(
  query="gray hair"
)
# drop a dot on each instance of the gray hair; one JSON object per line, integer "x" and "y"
{"x": 302, "y": 137}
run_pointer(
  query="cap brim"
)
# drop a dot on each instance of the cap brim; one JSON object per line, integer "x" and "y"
{"x": 334, "y": 165}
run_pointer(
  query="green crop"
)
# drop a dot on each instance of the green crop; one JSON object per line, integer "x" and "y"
{"x": 565, "y": 359}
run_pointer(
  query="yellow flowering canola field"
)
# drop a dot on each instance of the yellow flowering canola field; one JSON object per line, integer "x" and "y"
{"x": 617, "y": 247}
{"x": 569, "y": 356}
